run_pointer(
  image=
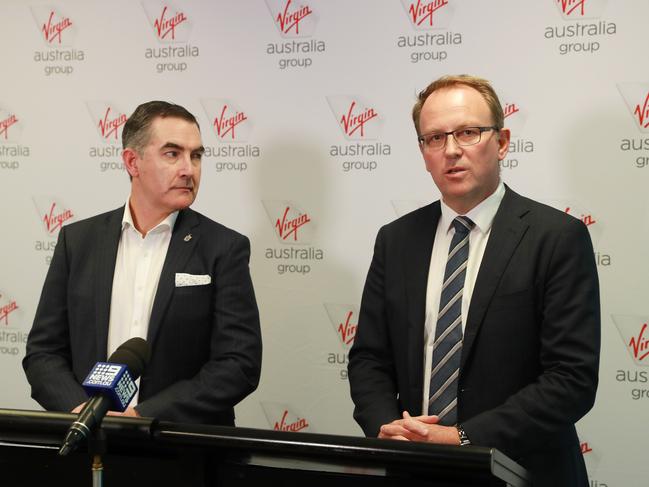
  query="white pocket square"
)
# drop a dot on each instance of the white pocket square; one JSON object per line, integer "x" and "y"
{"x": 184, "y": 280}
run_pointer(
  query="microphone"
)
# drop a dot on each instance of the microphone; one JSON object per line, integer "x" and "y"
{"x": 111, "y": 386}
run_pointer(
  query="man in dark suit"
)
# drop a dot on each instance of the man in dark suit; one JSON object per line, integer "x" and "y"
{"x": 155, "y": 269}
{"x": 480, "y": 320}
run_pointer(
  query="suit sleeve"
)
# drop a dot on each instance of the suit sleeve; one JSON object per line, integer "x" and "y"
{"x": 569, "y": 336}
{"x": 234, "y": 365}
{"x": 371, "y": 370}
{"x": 48, "y": 361}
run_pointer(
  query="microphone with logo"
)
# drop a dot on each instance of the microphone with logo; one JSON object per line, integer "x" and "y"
{"x": 111, "y": 386}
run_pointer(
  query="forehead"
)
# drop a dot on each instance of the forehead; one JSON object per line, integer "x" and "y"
{"x": 174, "y": 130}
{"x": 448, "y": 108}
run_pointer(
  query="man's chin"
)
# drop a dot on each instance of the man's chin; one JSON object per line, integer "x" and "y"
{"x": 182, "y": 203}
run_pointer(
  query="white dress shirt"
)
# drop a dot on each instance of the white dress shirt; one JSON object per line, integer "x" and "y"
{"x": 135, "y": 281}
{"x": 483, "y": 216}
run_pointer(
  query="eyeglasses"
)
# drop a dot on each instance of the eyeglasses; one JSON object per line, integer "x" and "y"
{"x": 464, "y": 136}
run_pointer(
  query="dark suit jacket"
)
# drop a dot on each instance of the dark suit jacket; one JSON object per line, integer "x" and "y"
{"x": 205, "y": 340}
{"x": 530, "y": 357}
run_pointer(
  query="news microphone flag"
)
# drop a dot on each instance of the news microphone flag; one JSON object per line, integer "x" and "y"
{"x": 114, "y": 382}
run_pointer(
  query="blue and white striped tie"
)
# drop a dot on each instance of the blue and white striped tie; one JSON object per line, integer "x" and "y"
{"x": 447, "y": 348}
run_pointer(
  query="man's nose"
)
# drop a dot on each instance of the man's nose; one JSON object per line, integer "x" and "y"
{"x": 451, "y": 148}
{"x": 186, "y": 166}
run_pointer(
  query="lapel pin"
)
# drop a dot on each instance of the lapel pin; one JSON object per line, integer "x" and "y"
{"x": 188, "y": 237}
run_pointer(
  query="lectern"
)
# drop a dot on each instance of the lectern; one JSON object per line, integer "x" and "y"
{"x": 144, "y": 452}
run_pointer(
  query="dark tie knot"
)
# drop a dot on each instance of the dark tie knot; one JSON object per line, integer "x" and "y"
{"x": 463, "y": 225}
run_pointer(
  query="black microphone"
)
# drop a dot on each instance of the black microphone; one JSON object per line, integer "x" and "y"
{"x": 111, "y": 386}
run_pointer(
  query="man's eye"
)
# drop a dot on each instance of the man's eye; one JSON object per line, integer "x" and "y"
{"x": 436, "y": 137}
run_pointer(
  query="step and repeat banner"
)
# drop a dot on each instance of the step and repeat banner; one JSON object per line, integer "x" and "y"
{"x": 304, "y": 107}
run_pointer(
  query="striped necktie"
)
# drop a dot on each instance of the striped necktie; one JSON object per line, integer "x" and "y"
{"x": 447, "y": 348}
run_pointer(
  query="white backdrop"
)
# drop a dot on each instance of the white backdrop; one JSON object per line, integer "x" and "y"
{"x": 305, "y": 111}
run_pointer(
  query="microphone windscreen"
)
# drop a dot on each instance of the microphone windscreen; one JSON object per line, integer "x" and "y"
{"x": 134, "y": 353}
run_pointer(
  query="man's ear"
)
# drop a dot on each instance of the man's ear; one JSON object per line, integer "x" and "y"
{"x": 131, "y": 161}
{"x": 504, "y": 136}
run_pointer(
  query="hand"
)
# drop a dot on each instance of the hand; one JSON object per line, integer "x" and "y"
{"x": 129, "y": 412}
{"x": 78, "y": 409}
{"x": 420, "y": 428}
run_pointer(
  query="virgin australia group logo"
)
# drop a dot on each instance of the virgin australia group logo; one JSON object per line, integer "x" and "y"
{"x": 295, "y": 230}
{"x": 296, "y": 22}
{"x": 434, "y": 14}
{"x": 292, "y": 18}
{"x": 58, "y": 31}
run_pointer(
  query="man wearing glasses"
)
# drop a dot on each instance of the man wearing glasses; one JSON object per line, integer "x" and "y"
{"x": 480, "y": 320}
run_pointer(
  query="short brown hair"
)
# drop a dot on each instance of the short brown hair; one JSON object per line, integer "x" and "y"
{"x": 482, "y": 86}
{"x": 135, "y": 134}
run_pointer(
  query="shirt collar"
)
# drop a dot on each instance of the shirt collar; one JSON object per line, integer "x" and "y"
{"x": 165, "y": 225}
{"x": 482, "y": 215}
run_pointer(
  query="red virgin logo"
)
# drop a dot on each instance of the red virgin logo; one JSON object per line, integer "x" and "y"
{"x": 634, "y": 333}
{"x": 569, "y": 7}
{"x": 54, "y": 221}
{"x": 165, "y": 26}
{"x": 639, "y": 344}
{"x": 356, "y": 120}
{"x": 225, "y": 124}
{"x": 290, "y": 19}
{"x": 586, "y": 218}
{"x": 344, "y": 318}
{"x": 297, "y": 425}
{"x": 421, "y": 12}
{"x": 230, "y": 122}
{"x": 287, "y": 227}
{"x": 510, "y": 109}
{"x": 636, "y": 98}
{"x": 5, "y": 124}
{"x": 53, "y": 28}
{"x": 642, "y": 112}
{"x": 6, "y": 310}
{"x": 347, "y": 329}
{"x": 108, "y": 127}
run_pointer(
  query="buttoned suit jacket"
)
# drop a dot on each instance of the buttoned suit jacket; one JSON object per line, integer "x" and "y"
{"x": 205, "y": 340}
{"x": 530, "y": 355}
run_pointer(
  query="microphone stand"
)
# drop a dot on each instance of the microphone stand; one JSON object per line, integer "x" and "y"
{"x": 97, "y": 448}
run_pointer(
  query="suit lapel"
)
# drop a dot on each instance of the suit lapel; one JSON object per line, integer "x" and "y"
{"x": 106, "y": 243}
{"x": 506, "y": 233}
{"x": 184, "y": 238}
{"x": 416, "y": 264}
